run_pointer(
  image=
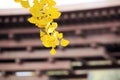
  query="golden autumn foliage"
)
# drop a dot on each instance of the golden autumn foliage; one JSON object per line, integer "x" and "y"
{"x": 43, "y": 14}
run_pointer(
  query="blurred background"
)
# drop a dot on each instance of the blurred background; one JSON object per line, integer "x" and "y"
{"x": 91, "y": 26}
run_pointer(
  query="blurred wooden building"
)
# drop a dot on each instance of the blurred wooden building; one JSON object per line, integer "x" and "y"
{"x": 93, "y": 32}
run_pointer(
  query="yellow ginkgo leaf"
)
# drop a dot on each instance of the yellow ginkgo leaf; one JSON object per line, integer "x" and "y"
{"x": 17, "y": 0}
{"x": 64, "y": 42}
{"x": 46, "y": 40}
{"x": 60, "y": 35}
{"x": 25, "y": 3}
{"x": 46, "y": 37}
{"x": 42, "y": 33}
{"x": 41, "y": 23}
{"x": 46, "y": 44}
{"x": 52, "y": 41}
{"x": 51, "y": 3}
{"x": 35, "y": 12}
{"x": 48, "y": 19}
{"x": 55, "y": 15}
{"x": 44, "y": 1}
{"x": 53, "y": 10}
{"x": 55, "y": 34}
{"x": 32, "y": 20}
{"x": 54, "y": 24}
{"x": 53, "y": 51}
{"x": 51, "y": 28}
{"x": 56, "y": 42}
{"x": 35, "y": 1}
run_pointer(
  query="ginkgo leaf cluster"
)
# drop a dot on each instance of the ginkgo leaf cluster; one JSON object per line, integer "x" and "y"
{"x": 43, "y": 14}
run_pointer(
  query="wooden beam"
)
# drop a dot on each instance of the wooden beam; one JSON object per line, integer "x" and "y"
{"x": 81, "y": 77}
{"x": 63, "y": 28}
{"x": 89, "y": 26}
{"x": 17, "y": 61}
{"x": 23, "y": 78}
{"x": 117, "y": 54}
{"x": 19, "y": 31}
{"x": 66, "y": 65}
{"x": 102, "y": 39}
{"x": 98, "y": 67}
{"x": 109, "y": 57}
{"x": 70, "y": 76}
{"x": 68, "y": 53}
{"x": 78, "y": 72}
{"x": 22, "y": 43}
